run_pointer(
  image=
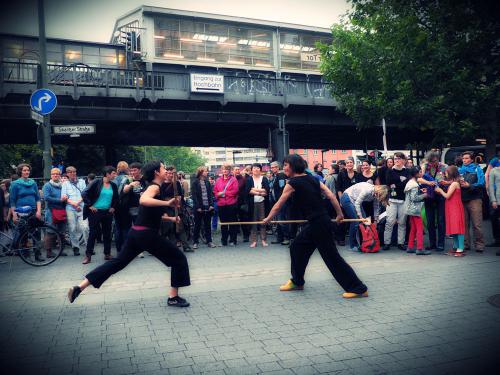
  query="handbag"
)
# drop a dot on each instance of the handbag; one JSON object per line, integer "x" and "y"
{"x": 58, "y": 215}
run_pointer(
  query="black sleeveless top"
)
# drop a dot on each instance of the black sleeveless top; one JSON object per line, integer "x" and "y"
{"x": 150, "y": 217}
{"x": 307, "y": 196}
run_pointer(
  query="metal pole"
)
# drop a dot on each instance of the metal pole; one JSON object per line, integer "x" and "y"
{"x": 47, "y": 142}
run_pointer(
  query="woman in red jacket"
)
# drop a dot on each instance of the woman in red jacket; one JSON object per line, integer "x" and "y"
{"x": 226, "y": 194}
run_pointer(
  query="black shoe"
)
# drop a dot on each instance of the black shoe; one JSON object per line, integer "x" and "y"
{"x": 224, "y": 243}
{"x": 386, "y": 247}
{"x": 177, "y": 302}
{"x": 188, "y": 249}
{"x": 73, "y": 292}
{"x": 430, "y": 248}
{"x": 76, "y": 251}
{"x": 402, "y": 247}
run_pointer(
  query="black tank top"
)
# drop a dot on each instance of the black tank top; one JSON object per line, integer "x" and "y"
{"x": 150, "y": 217}
{"x": 307, "y": 196}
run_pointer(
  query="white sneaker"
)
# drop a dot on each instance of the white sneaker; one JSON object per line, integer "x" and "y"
{"x": 141, "y": 255}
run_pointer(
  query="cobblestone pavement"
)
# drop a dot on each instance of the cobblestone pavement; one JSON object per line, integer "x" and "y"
{"x": 425, "y": 315}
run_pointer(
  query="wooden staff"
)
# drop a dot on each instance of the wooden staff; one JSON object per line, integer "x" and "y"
{"x": 366, "y": 220}
{"x": 176, "y": 193}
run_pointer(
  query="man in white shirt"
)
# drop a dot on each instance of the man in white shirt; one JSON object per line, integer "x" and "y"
{"x": 78, "y": 228}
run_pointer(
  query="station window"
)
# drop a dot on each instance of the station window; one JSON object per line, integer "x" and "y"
{"x": 315, "y": 152}
{"x": 343, "y": 151}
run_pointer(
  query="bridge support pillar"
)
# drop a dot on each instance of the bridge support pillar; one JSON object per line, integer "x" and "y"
{"x": 279, "y": 141}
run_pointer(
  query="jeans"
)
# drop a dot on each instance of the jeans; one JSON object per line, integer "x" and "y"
{"x": 350, "y": 211}
{"x": 121, "y": 231}
{"x": 103, "y": 219}
{"x": 317, "y": 234}
{"x": 435, "y": 207}
{"x": 78, "y": 228}
{"x": 200, "y": 218}
{"x": 395, "y": 213}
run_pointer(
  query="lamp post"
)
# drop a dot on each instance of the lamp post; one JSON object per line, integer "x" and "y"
{"x": 235, "y": 152}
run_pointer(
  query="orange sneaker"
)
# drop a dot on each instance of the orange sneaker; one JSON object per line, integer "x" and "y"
{"x": 355, "y": 295}
{"x": 290, "y": 286}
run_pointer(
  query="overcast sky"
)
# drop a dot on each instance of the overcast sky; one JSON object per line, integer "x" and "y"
{"x": 93, "y": 20}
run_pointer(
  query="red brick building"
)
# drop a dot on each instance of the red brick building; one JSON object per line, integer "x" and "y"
{"x": 326, "y": 158}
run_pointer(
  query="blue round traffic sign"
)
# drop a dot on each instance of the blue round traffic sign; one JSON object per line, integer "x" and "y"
{"x": 43, "y": 101}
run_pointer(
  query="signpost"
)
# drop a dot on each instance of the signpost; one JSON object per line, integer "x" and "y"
{"x": 208, "y": 83}
{"x": 73, "y": 130}
{"x": 43, "y": 101}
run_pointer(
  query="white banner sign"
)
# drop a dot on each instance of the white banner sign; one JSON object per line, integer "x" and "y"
{"x": 73, "y": 129}
{"x": 207, "y": 83}
{"x": 310, "y": 57}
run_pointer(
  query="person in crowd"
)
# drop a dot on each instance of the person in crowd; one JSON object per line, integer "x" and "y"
{"x": 226, "y": 195}
{"x": 366, "y": 174}
{"x": 121, "y": 222}
{"x": 331, "y": 179}
{"x": 248, "y": 170}
{"x": 24, "y": 192}
{"x": 101, "y": 199}
{"x": 347, "y": 177}
{"x": 90, "y": 177}
{"x": 318, "y": 172}
{"x": 454, "y": 210}
{"x": 396, "y": 179}
{"x": 494, "y": 194}
{"x": 276, "y": 186}
{"x": 242, "y": 202}
{"x": 4, "y": 192}
{"x": 181, "y": 177}
{"x": 215, "y": 217}
{"x": 409, "y": 164}
{"x": 316, "y": 233}
{"x": 55, "y": 209}
{"x": 342, "y": 165}
{"x": 258, "y": 203}
{"x": 129, "y": 199}
{"x": 494, "y": 162}
{"x": 472, "y": 198}
{"x": 382, "y": 171}
{"x": 176, "y": 232}
{"x": 433, "y": 172}
{"x": 414, "y": 201}
{"x": 203, "y": 206}
{"x": 352, "y": 202}
{"x": 78, "y": 229}
{"x": 144, "y": 235}
{"x": 331, "y": 183}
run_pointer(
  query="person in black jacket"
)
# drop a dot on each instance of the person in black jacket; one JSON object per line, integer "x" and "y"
{"x": 100, "y": 199}
{"x": 346, "y": 178}
{"x": 257, "y": 188}
{"x": 276, "y": 185}
{"x": 203, "y": 206}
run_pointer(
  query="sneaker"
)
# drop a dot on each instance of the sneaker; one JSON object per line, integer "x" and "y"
{"x": 265, "y": 244}
{"x": 290, "y": 286}
{"x": 458, "y": 253}
{"x": 86, "y": 260}
{"x": 355, "y": 295}
{"x": 141, "y": 255}
{"x": 424, "y": 252}
{"x": 410, "y": 251}
{"x": 76, "y": 251}
{"x": 386, "y": 247}
{"x": 285, "y": 242}
{"x": 188, "y": 249}
{"x": 195, "y": 246}
{"x": 177, "y": 302}
{"x": 211, "y": 245}
{"x": 355, "y": 249}
{"x": 402, "y": 247}
{"x": 253, "y": 244}
{"x": 73, "y": 292}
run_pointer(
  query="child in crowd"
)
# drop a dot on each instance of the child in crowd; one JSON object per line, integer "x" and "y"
{"x": 413, "y": 204}
{"x": 454, "y": 211}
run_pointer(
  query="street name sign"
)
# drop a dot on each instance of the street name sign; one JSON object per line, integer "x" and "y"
{"x": 73, "y": 129}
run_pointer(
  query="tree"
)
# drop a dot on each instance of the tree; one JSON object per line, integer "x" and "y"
{"x": 426, "y": 64}
{"x": 183, "y": 158}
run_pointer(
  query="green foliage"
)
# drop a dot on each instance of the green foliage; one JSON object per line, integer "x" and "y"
{"x": 425, "y": 64}
{"x": 181, "y": 157}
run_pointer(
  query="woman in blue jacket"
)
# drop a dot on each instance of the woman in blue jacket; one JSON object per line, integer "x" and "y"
{"x": 24, "y": 192}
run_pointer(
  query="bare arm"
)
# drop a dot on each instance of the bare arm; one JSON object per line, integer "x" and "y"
{"x": 148, "y": 198}
{"x": 450, "y": 191}
{"x": 287, "y": 191}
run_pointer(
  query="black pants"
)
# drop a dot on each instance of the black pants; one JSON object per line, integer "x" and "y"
{"x": 226, "y": 214}
{"x": 434, "y": 210}
{"x": 138, "y": 241}
{"x": 204, "y": 217}
{"x": 243, "y": 216}
{"x": 100, "y": 220}
{"x": 318, "y": 234}
{"x": 495, "y": 225}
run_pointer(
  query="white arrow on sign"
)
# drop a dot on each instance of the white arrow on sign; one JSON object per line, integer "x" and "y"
{"x": 45, "y": 99}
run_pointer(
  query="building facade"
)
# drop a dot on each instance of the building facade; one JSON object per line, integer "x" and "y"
{"x": 217, "y": 156}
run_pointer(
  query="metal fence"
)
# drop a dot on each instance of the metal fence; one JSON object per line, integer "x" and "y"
{"x": 85, "y": 76}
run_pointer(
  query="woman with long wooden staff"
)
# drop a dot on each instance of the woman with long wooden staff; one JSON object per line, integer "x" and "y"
{"x": 144, "y": 235}
{"x": 317, "y": 233}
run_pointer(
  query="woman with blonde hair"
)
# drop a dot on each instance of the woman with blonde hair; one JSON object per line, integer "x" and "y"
{"x": 203, "y": 206}
{"x": 352, "y": 202}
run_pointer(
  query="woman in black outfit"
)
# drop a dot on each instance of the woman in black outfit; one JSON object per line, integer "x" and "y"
{"x": 144, "y": 235}
{"x": 316, "y": 233}
{"x": 203, "y": 206}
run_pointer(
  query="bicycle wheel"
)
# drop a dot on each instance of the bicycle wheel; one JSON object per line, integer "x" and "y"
{"x": 40, "y": 246}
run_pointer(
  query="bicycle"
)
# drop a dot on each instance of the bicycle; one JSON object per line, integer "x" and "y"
{"x": 29, "y": 237}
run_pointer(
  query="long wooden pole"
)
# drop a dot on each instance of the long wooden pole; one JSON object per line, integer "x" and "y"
{"x": 289, "y": 222}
